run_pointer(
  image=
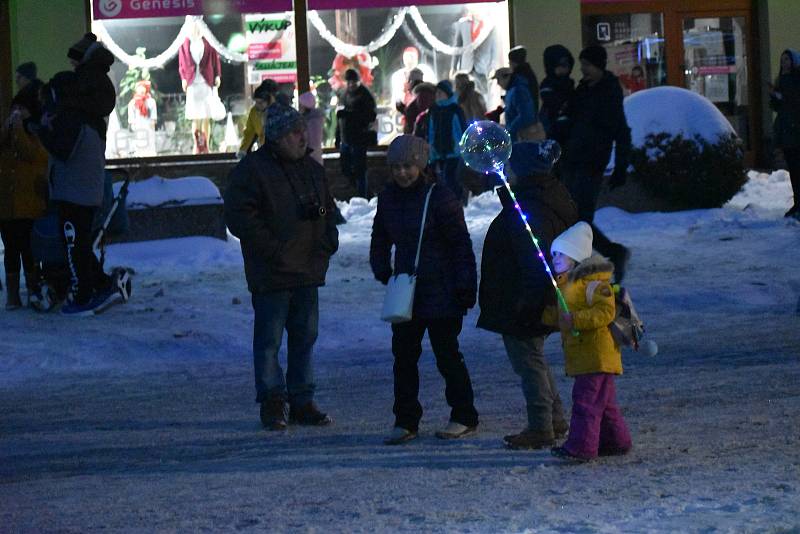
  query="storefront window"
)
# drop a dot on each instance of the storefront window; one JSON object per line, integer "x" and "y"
{"x": 635, "y": 46}
{"x": 184, "y": 82}
{"x": 716, "y": 66}
{"x": 438, "y": 40}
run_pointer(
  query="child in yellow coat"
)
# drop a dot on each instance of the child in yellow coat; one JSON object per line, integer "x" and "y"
{"x": 592, "y": 357}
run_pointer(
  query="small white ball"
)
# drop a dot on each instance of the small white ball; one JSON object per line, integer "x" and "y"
{"x": 649, "y": 348}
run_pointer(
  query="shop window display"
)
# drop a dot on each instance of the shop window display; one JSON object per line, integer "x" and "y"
{"x": 635, "y": 46}
{"x": 184, "y": 83}
{"x": 390, "y": 46}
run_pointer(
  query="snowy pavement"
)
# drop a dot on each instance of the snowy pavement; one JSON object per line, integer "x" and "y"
{"x": 142, "y": 419}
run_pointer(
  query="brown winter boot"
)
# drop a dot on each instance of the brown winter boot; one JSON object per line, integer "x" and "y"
{"x": 308, "y": 414}
{"x": 273, "y": 413}
{"x": 560, "y": 428}
{"x": 530, "y": 439}
{"x": 13, "y": 302}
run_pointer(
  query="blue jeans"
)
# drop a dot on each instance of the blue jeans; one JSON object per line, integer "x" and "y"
{"x": 296, "y": 311}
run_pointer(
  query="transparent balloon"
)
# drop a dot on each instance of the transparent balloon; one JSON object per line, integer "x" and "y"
{"x": 485, "y": 146}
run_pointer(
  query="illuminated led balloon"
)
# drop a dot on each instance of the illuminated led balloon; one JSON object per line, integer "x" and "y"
{"x": 485, "y": 146}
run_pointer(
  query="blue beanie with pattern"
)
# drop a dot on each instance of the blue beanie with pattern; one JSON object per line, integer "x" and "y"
{"x": 281, "y": 119}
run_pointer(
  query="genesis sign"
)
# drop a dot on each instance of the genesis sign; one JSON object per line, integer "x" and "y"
{"x": 141, "y": 9}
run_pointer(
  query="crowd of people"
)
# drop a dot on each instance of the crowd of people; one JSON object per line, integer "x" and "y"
{"x": 52, "y": 162}
{"x": 279, "y": 205}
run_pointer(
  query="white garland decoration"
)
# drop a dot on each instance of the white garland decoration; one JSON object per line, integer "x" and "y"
{"x": 438, "y": 45}
{"x": 135, "y": 61}
{"x": 160, "y": 60}
{"x": 352, "y": 50}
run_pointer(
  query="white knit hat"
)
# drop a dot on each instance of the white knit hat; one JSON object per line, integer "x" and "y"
{"x": 575, "y": 242}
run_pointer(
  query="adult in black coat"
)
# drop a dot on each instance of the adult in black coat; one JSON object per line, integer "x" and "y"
{"x": 596, "y": 125}
{"x": 354, "y": 134}
{"x": 279, "y": 206}
{"x": 785, "y": 101}
{"x": 555, "y": 91}
{"x": 94, "y": 96}
{"x": 515, "y": 287}
{"x": 446, "y": 284}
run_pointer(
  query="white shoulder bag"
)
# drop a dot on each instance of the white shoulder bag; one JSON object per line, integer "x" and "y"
{"x": 398, "y": 303}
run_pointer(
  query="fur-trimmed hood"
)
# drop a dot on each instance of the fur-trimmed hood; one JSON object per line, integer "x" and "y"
{"x": 591, "y": 265}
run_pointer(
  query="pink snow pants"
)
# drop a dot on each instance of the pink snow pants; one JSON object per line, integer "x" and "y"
{"x": 597, "y": 426}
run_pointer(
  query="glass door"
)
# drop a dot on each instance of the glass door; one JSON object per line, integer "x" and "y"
{"x": 716, "y": 66}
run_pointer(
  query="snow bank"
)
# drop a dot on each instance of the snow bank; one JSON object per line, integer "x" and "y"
{"x": 158, "y": 192}
{"x": 676, "y": 111}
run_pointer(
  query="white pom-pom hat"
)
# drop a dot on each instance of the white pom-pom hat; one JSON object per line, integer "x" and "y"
{"x": 575, "y": 242}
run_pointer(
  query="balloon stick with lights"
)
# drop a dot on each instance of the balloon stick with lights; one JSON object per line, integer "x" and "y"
{"x": 486, "y": 147}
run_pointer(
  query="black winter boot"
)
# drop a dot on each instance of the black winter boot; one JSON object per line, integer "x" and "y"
{"x": 273, "y": 413}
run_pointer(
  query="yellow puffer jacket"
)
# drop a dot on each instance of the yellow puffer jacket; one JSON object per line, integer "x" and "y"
{"x": 253, "y": 129}
{"x": 593, "y": 350}
{"x": 23, "y": 176}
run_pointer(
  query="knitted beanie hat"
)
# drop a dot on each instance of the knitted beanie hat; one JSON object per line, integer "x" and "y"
{"x": 529, "y": 158}
{"x": 446, "y": 87}
{"x": 27, "y": 70}
{"x": 351, "y": 75}
{"x": 281, "y": 119}
{"x": 307, "y": 100}
{"x": 575, "y": 242}
{"x": 78, "y": 50}
{"x": 518, "y": 54}
{"x": 596, "y": 55}
{"x": 408, "y": 149}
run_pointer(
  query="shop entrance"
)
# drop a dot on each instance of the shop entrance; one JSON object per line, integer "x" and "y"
{"x": 671, "y": 42}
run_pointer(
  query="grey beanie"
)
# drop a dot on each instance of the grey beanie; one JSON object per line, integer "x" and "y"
{"x": 408, "y": 149}
{"x": 281, "y": 119}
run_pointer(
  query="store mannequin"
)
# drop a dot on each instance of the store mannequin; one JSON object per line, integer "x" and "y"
{"x": 200, "y": 69}
{"x": 480, "y": 61}
{"x": 142, "y": 117}
{"x": 401, "y": 90}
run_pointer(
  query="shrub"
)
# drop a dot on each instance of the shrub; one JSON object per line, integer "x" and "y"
{"x": 689, "y": 173}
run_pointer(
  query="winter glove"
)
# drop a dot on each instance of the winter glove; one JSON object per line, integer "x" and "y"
{"x": 494, "y": 115}
{"x": 466, "y": 298}
{"x": 383, "y": 278}
{"x": 617, "y": 179}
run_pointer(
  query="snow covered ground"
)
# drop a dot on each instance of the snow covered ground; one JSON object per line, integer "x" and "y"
{"x": 142, "y": 419}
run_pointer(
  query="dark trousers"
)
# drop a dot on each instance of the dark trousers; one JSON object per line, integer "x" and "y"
{"x": 792, "y": 157}
{"x": 16, "y": 235}
{"x": 407, "y": 349}
{"x": 297, "y": 312}
{"x": 584, "y": 187}
{"x": 597, "y": 425}
{"x": 353, "y": 159}
{"x": 85, "y": 270}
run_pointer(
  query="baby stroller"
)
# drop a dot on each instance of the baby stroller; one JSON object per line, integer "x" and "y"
{"x": 49, "y": 249}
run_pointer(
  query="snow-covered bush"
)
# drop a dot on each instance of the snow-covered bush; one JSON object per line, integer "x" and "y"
{"x": 684, "y": 150}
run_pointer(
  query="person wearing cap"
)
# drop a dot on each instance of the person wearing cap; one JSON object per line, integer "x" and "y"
{"x": 446, "y": 125}
{"x": 556, "y": 90}
{"x": 315, "y": 123}
{"x": 591, "y": 356}
{"x": 278, "y": 204}
{"x": 424, "y": 97}
{"x": 354, "y": 132}
{"x": 94, "y": 95}
{"x": 445, "y": 289}
{"x": 515, "y": 287}
{"x": 522, "y": 99}
{"x": 597, "y": 125}
{"x": 263, "y": 96}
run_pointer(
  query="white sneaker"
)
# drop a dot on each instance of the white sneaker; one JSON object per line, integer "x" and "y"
{"x": 455, "y": 430}
{"x": 399, "y": 435}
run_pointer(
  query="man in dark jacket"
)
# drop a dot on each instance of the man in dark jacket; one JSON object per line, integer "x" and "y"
{"x": 279, "y": 206}
{"x": 515, "y": 287}
{"x": 354, "y": 133}
{"x": 784, "y": 99}
{"x": 597, "y": 124}
{"x": 94, "y": 96}
{"x": 556, "y": 90}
